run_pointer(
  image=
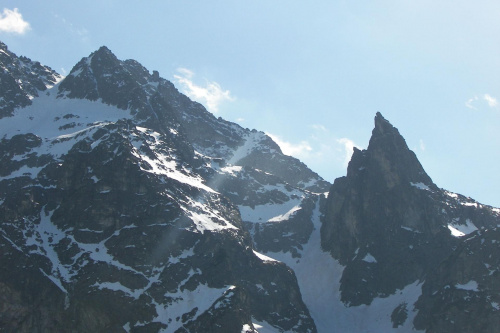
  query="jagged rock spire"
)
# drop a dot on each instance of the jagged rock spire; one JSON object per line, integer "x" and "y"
{"x": 386, "y": 193}
{"x": 388, "y": 159}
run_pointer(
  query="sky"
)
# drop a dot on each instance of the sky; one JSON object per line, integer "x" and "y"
{"x": 312, "y": 75}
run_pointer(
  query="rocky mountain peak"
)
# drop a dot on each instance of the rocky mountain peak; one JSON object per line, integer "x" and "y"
{"x": 382, "y": 125}
{"x": 387, "y": 212}
{"x": 389, "y": 158}
{"x": 143, "y": 195}
{"x": 385, "y": 197}
{"x": 105, "y": 50}
{"x": 91, "y": 77}
{"x": 21, "y": 80}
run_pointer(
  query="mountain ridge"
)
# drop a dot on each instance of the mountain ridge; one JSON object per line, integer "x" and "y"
{"x": 123, "y": 201}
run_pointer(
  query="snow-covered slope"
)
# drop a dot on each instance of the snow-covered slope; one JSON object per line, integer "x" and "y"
{"x": 104, "y": 197}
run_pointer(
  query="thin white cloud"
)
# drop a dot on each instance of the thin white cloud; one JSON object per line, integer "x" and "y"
{"x": 77, "y": 32}
{"x": 470, "y": 101}
{"x": 12, "y": 21}
{"x": 211, "y": 95}
{"x": 185, "y": 72}
{"x": 319, "y": 149}
{"x": 318, "y": 127}
{"x": 348, "y": 146}
{"x": 492, "y": 101}
{"x": 422, "y": 145}
{"x": 299, "y": 150}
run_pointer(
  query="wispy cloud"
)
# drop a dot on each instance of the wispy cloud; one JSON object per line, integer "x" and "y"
{"x": 211, "y": 94}
{"x": 320, "y": 128}
{"x": 422, "y": 145}
{"x": 12, "y": 21}
{"x": 78, "y": 32}
{"x": 470, "y": 101}
{"x": 320, "y": 147}
{"x": 492, "y": 101}
{"x": 348, "y": 146}
{"x": 299, "y": 150}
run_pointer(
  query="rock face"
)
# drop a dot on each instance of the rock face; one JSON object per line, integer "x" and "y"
{"x": 381, "y": 216}
{"x": 390, "y": 226}
{"x": 21, "y": 80}
{"x": 461, "y": 295}
{"x": 116, "y": 216}
{"x": 127, "y": 207}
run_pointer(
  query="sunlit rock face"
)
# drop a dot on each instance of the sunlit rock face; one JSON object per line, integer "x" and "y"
{"x": 120, "y": 209}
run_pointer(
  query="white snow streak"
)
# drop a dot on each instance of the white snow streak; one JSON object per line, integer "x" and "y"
{"x": 471, "y": 285}
{"x": 318, "y": 275}
{"x": 460, "y": 230}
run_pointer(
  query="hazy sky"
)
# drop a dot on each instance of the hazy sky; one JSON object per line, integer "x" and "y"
{"x": 310, "y": 74}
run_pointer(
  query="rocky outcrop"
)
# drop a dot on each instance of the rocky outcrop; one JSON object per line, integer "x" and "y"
{"x": 461, "y": 294}
{"x": 390, "y": 226}
{"x": 381, "y": 217}
{"x": 21, "y": 80}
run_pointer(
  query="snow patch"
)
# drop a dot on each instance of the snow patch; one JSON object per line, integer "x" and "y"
{"x": 410, "y": 229}
{"x": 264, "y": 257}
{"x": 370, "y": 259}
{"x": 181, "y": 302}
{"x": 318, "y": 275}
{"x": 252, "y": 141}
{"x": 206, "y": 218}
{"x": 471, "y": 285}
{"x": 272, "y": 212}
{"x": 165, "y": 164}
{"x": 232, "y": 170}
{"x": 285, "y": 216}
{"x": 421, "y": 186}
{"x": 264, "y": 327}
{"x": 460, "y": 230}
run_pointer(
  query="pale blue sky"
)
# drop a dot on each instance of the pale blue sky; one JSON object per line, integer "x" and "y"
{"x": 312, "y": 74}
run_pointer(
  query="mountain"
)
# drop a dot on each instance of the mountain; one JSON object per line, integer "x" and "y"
{"x": 127, "y": 207}
{"x": 21, "y": 80}
{"x": 391, "y": 227}
{"x": 112, "y": 220}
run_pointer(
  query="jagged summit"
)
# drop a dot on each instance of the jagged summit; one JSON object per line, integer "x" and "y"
{"x": 389, "y": 158}
{"x": 387, "y": 204}
{"x": 21, "y": 80}
{"x": 387, "y": 172}
{"x": 381, "y": 122}
{"x": 156, "y": 103}
{"x": 105, "y": 49}
{"x": 102, "y": 76}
